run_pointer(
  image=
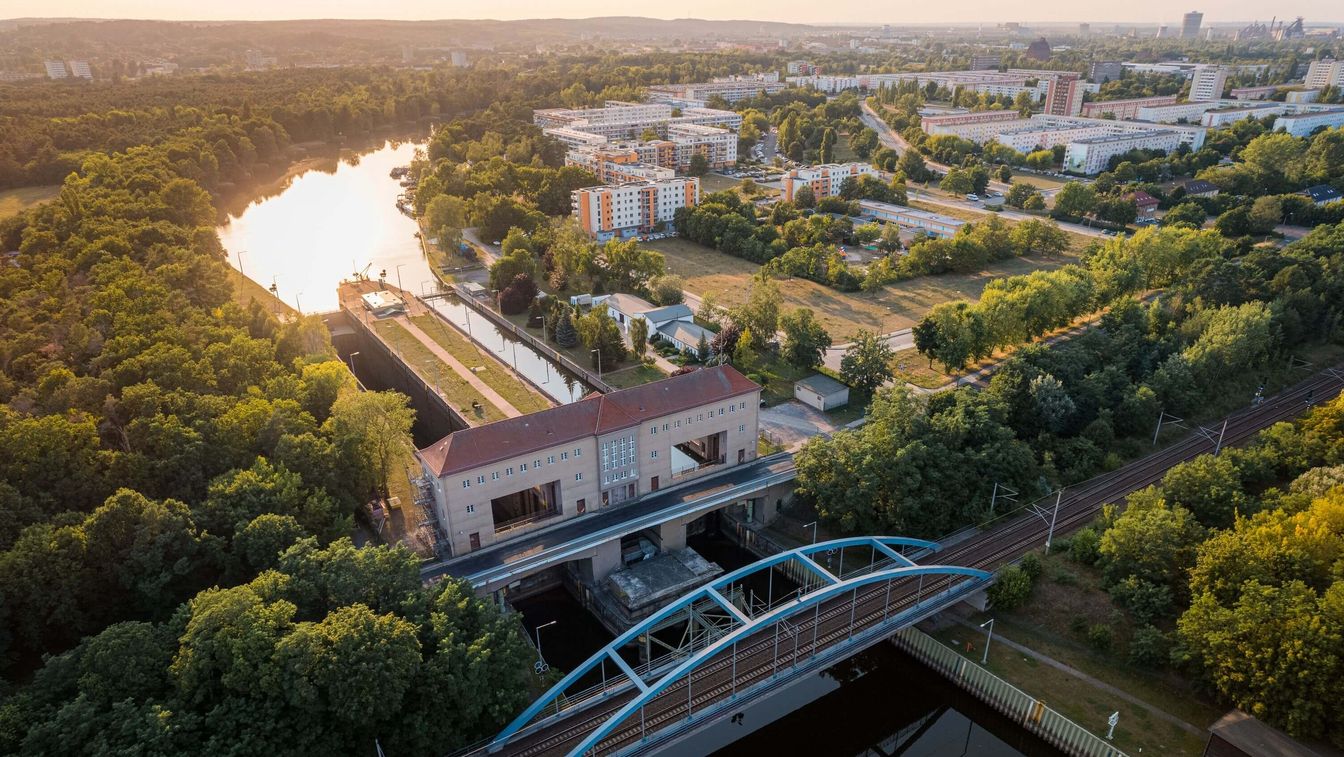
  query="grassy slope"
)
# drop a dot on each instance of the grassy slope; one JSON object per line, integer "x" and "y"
{"x": 15, "y": 201}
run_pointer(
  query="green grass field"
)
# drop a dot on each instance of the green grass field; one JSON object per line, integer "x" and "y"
{"x": 513, "y": 389}
{"x": 897, "y": 306}
{"x": 15, "y": 201}
{"x": 458, "y": 392}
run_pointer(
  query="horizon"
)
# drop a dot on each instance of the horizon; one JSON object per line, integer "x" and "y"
{"x": 840, "y": 13}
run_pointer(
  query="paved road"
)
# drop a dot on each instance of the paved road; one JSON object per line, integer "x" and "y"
{"x": 901, "y": 339}
{"x": 755, "y": 658}
{"x": 549, "y": 542}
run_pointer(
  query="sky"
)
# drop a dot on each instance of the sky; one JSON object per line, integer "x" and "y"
{"x": 801, "y": 11}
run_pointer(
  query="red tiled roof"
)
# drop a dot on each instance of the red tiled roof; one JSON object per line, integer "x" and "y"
{"x": 593, "y": 415}
{"x": 1142, "y": 198}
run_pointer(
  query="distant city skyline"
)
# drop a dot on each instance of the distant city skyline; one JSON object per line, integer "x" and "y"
{"x": 791, "y": 11}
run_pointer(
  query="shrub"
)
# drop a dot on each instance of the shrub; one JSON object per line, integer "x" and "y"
{"x": 1011, "y": 590}
{"x": 518, "y": 295}
{"x": 1031, "y": 565}
{"x": 1145, "y": 600}
{"x": 1085, "y": 546}
{"x": 1099, "y": 637}
{"x": 1149, "y": 648}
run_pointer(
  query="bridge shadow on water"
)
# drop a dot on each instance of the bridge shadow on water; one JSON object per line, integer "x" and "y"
{"x": 879, "y": 702}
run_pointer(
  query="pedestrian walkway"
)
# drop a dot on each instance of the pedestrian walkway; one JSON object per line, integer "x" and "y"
{"x": 1091, "y": 680}
{"x": 491, "y": 396}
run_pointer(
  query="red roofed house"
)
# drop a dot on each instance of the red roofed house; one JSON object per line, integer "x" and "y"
{"x": 502, "y": 479}
{"x": 1146, "y": 204}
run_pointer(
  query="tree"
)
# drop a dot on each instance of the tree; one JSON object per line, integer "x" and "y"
{"x": 826, "y": 151}
{"x": 565, "y": 333}
{"x": 373, "y": 431}
{"x": 639, "y": 337}
{"x": 1011, "y": 589}
{"x": 804, "y": 197}
{"x": 699, "y": 165}
{"x": 445, "y": 215}
{"x": 805, "y": 340}
{"x": 508, "y": 268}
{"x": 1018, "y": 193}
{"x": 667, "y": 289}
{"x": 1005, "y": 174}
{"x": 958, "y": 181}
{"x": 1074, "y": 200}
{"x": 866, "y": 364}
{"x": 1185, "y": 214}
{"x": 1151, "y": 541}
{"x": 602, "y": 338}
{"x": 518, "y": 296}
{"x": 912, "y": 165}
{"x": 760, "y": 313}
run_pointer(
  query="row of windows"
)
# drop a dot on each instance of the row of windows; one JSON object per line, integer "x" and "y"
{"x": 699, "y": 417}
{"x": 522, "y": 468}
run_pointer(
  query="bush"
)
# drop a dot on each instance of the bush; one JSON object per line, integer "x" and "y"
{"x": 1149, "y": 648}
{"x": 1085, "y": 546}
{"x": 1011, "y": 590}
{"x": 1031, "y": 565}
{"x": 1099, "y": 637}
{"x": 1145, "y": 601}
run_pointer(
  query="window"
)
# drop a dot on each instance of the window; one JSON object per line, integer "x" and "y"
{"x": 471, "y": 509}
{"x": 564, "y": 455}
{"x": 578, "y": 452}
{"x": 741, "y": 428}
{"x": 653, "y": 454}
{"x": 466, "y": 483}
{"x": 480, "y": 479}
{"x": 732, "y": 408}
{"x": 678, "y": 424}
{"x": 550, "y": 459}
{"x": 536, "y": 463}
{"x": 494, "y": 475}
{"x": 522, "y": 468}
{"x": 742, "y": 406}
{"x": 653, "y": 429}
{"x": 508, "y": 471}
{"x": 665, "y": 426}
{"x": 578, "y": 476}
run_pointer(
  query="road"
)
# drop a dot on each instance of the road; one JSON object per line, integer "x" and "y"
{"x": 757, "y": 657}
{"x": 1007, "y": 213}
{"x": 901, "y": 339}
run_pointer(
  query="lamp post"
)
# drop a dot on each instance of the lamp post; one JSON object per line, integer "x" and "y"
{"x": 297, "y": 304}
{"x": 352, "y": 363}
{"x": 240, "y": 261}
{"x": 813, "y": 524}
{"x": 989, "y": 636}
{"x": 541, "y": 661}
{"x": 399, "y": 265}
{"x": 599, "y": 361}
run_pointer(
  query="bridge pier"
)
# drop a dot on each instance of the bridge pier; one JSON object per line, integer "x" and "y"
{"x": 606, "y": 558}
{"x": 672, "y": 535}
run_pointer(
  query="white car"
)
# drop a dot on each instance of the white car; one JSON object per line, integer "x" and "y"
{"x": 973, "y": 197}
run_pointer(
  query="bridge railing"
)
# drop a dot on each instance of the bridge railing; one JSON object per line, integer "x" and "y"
{"x": 1033, "y": 714}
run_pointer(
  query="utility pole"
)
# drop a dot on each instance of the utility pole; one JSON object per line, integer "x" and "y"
{"x": 541, "y": 666}
{"x": 813, "y": 524}
{"x": 1054, "y": 513}
{"x": 989, "y": 636}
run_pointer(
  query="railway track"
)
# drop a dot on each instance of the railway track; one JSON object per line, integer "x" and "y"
{"x": 756, "y": 655}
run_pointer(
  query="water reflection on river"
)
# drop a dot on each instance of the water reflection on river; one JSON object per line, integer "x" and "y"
{"x": 327, "y": 224}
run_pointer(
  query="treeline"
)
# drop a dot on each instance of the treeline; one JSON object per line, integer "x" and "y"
{"x": 1087, "y": 404}
{"x": 1229, "y": 569}
{"x": 157, "y": 440}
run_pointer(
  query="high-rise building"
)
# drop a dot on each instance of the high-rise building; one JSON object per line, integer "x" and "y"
{"x": 1104, "y": 70}
{"x": 825, "y": 180}
{"x": 1190, "y": 24}
{"x": 1064, "y": 95}
{"x": 625, "y": 210}
{"x": 80, "y": 69}
{"x": 986, "y": 62}
{"x": 56, "y": 69}
{"x": 1207, "y": 82}
{"x": 1084, "y": 30}
{"x": 1325, "y": 73}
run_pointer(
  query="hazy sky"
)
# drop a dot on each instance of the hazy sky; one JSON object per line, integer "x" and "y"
{"x": 963, "y": 11}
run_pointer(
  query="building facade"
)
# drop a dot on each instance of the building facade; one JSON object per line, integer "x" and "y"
{"x": 1064, "y": 95}
{"x": 1092, "y": 155}
{"x": 500, "y": 480}
{"x": 1325, "y": 73}
{"x": 730, "y": 88}
{"x": 979, "y": 127}
{"x": 623, "y": 120}
{"x": 1303, "y": 124}
{"x": 825, "y": 180}
{"x": 625, "y": 210}
{"x": 1123, "y": 109}
{"x": 1207, "y": 82}
{"x": 1190, "y": 24}
{"x": 935, "y": 224}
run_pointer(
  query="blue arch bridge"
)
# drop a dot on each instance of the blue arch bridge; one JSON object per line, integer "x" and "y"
{"x": 737, "y": 639}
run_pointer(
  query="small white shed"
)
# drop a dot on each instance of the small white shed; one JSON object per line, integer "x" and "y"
{"x": 821, "y": 392}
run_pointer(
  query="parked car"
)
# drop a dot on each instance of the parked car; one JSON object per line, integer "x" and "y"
{"x": 973, "y": 197}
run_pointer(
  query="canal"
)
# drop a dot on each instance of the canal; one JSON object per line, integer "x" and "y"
{"x": 339, "y": 219}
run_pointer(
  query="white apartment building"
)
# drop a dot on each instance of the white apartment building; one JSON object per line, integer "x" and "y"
{"x": 56, "y": 69}
{"x": 1091, "y": 155}
{"x": 979, "y": 127}
{"x": 1188, "y": 135}
{"x": 1224, "y": 116}
{"x": 1207, "y": 82}
{"x": 1124, "y": 109}
{"x": 1035, "y": 138}
{"x": 825, "y": 179}
{"x": 506, "y": 478}
{"x": 717, "y": 144}
{"x": 1304, "y": 123}
{"x": 730, "y": 88}
{"x": 80, "y": 69}
{"x": 1189, "y": 112}
{"x": 1325, "y": 73}
{"x": 626, "y": 210}
{"x": 623, "y": 120}
{"x": 617, "y": 166}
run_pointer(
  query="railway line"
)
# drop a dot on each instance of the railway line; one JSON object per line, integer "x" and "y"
{"x": 776, "y": 647}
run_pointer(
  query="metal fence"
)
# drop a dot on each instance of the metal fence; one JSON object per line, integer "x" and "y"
{"x": 1023, "y": 708}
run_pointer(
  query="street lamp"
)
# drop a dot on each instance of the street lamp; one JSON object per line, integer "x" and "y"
{"x": 599, "y": 362}
{"x": 989, "y": 636}
{"x": 813, "y": 524}
{"x": 240, "y": 261}
{"x": 297, "y": 304}
{"x": 541, "y": 661}
{"x": 352, "y": 361}
{"x": 399, "y": 265}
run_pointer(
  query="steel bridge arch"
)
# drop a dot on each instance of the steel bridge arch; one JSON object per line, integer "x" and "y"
{"x": 833, "y": 586}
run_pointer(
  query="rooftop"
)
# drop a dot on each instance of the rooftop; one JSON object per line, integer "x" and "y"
{"x": 821, "y": 384}
{"x": 593, "y": 415}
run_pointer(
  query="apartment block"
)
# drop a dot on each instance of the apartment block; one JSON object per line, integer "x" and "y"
{"x": 987, "y": 62}
{"x": 80, "y": 69}
{"x": 730, "y": 88}
{"x": 1255, "y": 93}
{"x": 1224, "y": 116}
{"x": 512, "y": 476}
{"x": 935, "y": 224}
{"x": 1304, "y": 123}
{"x": 56, "y": 69}
{"x": 1091, "y": 155}
{"x": 800, "y": 68}
{"x": 1038, "y": 137}
{"x": 618, "y": 166}
{"x": 1064, "y": 95}
{"x": 1325, "y": 73}
{"x": 825, "y": 179}
{"x": 979, "y": 127}
{"x": 1123, "y": 109}
{"x": 1104, "y": 70}
{"x": 623, "y": 120}
{"x": 1188, "y": 112}
{"x": 1207, "y": 82}
{"x": 622, "y": 211}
